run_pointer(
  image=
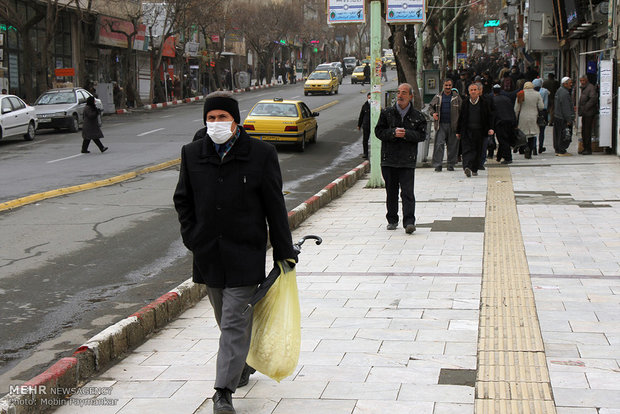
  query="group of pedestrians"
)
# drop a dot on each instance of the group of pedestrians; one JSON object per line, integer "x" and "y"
{"x": 468, "y": 125}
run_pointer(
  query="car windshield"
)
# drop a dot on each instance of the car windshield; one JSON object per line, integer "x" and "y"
{"x": 319, "y": 76}
{"x": 274, "y": 109}
{"x": 359, "y": 69}
{"x": 349, "y": 60}
{"x": 54, "y": 98}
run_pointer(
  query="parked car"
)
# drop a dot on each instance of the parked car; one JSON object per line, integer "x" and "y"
{"x": 17, "y": 118}
{"x": 282, "y": 121}
{"x": 63, "y": 108}
{"x": 334, "y": 69}
{"x": 358, "y": 75}
{"x": 350, "y": 62}
{"x": 324, "y": 81}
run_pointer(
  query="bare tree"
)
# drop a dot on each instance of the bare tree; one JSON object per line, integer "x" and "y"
{"x": 264, "y": 24}
{"x": 163, "y": 20}
{"x": 41, "y": 59}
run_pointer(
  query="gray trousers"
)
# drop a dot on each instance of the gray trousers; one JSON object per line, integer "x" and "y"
{"x": 235, "y": 332}
{"x": 445, "y": 137}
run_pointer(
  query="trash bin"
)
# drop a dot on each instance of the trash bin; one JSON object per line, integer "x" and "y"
{"x": 423, "y": 147}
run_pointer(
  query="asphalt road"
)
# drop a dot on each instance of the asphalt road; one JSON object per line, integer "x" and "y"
{"x": 71, "y": 266}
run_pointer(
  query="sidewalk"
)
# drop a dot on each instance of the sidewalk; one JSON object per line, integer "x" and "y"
{"x": 490, "y": 306}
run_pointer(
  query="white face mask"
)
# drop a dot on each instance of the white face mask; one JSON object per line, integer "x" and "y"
{"x": 219, "y": 131}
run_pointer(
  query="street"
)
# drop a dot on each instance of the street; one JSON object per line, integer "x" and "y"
{"x": 72, "y": 265}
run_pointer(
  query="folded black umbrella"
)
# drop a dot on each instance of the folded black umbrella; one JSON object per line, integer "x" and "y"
{"x": 271, "y": 278}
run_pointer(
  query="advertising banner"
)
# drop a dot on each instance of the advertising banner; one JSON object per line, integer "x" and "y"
{"x": 346, "y": 11}
{"x": 405, "y": 11}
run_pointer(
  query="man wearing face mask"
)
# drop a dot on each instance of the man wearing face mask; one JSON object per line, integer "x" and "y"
{"x": 229, "y": 189}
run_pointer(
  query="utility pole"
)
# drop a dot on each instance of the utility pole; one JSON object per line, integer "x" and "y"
{"x": 376, "y": 179}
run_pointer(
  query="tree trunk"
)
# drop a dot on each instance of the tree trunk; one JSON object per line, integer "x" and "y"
{"x": 406, "y": 60}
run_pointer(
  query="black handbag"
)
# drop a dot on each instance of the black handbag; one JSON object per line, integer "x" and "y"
{"x": 520, "y": 138}
{"x": 541, "y": 120}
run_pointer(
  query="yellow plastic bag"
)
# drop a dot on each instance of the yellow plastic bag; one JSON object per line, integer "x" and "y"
{"x": 276, "y": 329}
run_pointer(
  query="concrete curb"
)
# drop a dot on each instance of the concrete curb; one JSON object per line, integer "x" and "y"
{"x": 61, "y": 380}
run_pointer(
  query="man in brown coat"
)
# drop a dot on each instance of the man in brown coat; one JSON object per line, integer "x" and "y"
{"x": 588, "y": 105}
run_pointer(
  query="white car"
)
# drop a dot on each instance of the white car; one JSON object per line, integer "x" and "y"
{"x": 63, "y": 108}
{"x": 17, "y": 118}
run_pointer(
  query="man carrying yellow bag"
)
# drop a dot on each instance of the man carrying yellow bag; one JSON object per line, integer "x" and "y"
{"x": 229, "y": 189}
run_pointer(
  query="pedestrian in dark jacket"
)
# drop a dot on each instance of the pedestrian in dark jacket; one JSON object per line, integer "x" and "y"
{"x": 400, "y": 128}
{"x": 366, "y": 73}
{"x": 504, "y": 125}
{"x": 229, "y": 190}
{"x": 363, "y": 123}
{"x": 563, "y": 118}
{"x": 90, "y": 127}
{"x": 588, "y": 106}
{"x": 475, "y": 124}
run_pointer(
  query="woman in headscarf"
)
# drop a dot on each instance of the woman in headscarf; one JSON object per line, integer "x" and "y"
{"x": 90, "y": 128}
{"x": 527, "y": 106}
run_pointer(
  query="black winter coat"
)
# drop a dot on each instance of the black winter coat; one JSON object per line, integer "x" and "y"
{"x": 364, "y": 118}
{"x": 400, "y": 152}
{"x": 486, "y": 116}
{"x": 224, "y": 207}
{"x": 90, "y": 128}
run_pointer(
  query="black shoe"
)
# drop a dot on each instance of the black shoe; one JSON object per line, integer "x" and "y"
{"x": 438, "y": 169}
{"x": 467, "y": 172}
{"x": 528, "y": 154}
{"x": 507, "y": 162}
{"x": 474, "y": 173}
{"x": 450, "y": 168}
{"x": 392, "y": 226}
{"x": 534, "y": 152}
{"x": 365, "y": 156}
{"x": 245, "y": 376}
{"x": 409, "y": 228}
{"x": 86, "y": 152}
{"x": 222, "y": 402}
{"x": 541, "y": 150}
{"x": 104, "y": 149}
{"x": 481, "y": 168}
{"x": 586, "y": 153}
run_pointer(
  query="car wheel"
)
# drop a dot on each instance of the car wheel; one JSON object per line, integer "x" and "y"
{"x": 305, "y": 93}
{"x": 336, "y": 92}
{"x": 75, "y": 125}
{"x": 29, "y": 136}
{"x": 301, "y": 147}
{"x": 316, "y": 133}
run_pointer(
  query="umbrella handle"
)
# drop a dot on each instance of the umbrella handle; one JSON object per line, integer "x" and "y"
{"x": 317, "y": 239}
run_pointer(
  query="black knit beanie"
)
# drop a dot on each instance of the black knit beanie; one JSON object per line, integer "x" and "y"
{"x": 223, "y": 101}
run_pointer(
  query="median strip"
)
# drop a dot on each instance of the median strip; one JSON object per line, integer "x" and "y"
{"x": 33, "y": 198}
{"x": 327, "y": 105}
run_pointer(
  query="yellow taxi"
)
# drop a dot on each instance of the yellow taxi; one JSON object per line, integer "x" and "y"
{"x": 281, "y": 121}
{"x": 358, "y": 75}
{"x": 389, "y": 61}
{"x": 323, "y": 81}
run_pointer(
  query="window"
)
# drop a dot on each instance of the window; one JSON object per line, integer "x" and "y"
{"x": 17, "y": 103}
{"x": 6, "y": 105}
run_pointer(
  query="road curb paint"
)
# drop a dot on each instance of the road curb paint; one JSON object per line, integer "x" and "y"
{"x": 113, "y": 342}
{"x": 33, "y": 198}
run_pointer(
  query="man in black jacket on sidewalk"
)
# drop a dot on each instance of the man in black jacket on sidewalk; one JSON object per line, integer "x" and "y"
{"x": 475, "y": 124}
{"x": 363, "y": 123}
{"x": 505, "y": 124}
{"x": 229, "y": 189}
{"x": 400, "y": 128}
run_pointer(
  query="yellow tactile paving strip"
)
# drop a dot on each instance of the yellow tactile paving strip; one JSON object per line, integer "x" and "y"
{"x": 512, "y": 373}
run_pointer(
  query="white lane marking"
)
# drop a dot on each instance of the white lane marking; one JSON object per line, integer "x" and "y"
{"x": 197, "y": 120}
{"x": 66, "y": 158}
{"x": 294, "y": 97}
{"x": 245, "y": 110}
{"x": 149, "y": 132}
{"x": 166, "y": 116}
